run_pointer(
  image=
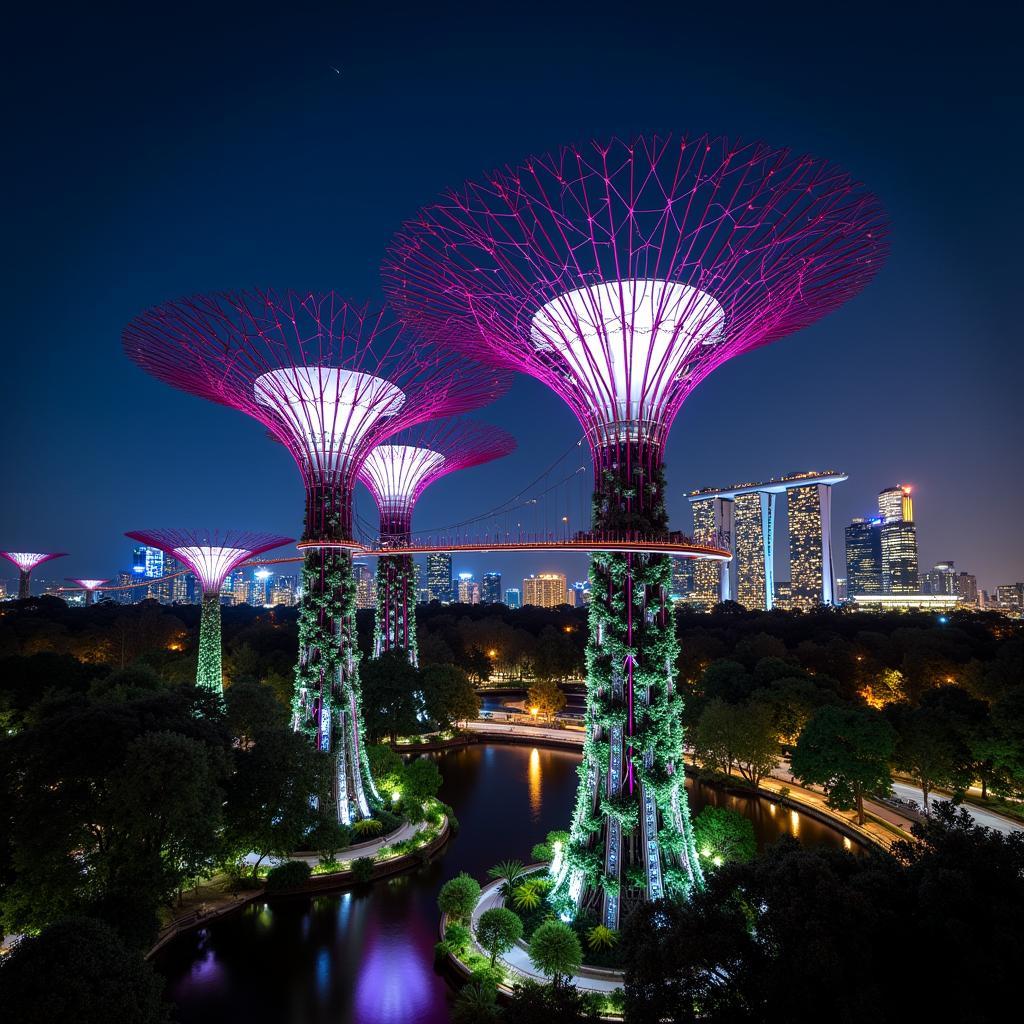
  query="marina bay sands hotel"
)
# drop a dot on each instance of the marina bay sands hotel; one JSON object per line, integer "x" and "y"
{"x": 742, "y": 519}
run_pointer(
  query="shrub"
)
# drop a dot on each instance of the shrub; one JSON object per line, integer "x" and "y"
{"x": 457, "y": 937}
{"x": 367, "y": 828}
{"x": 458, "y": 896}
{"x": 362, "y": 869}
{"x": 498, "y": 930}
{"x": 509, "y": 870}
{"x": 541, "y": 851}
{"x": 555, "y": 950}
{"x": 602, "y": 937}
{"x": 288, "y": 875}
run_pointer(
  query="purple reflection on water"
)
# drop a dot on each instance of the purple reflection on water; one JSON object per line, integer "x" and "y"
{"x": 393, "y": 986}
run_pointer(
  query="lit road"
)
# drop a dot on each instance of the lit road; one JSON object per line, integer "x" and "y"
{"x": 908, "y": 791}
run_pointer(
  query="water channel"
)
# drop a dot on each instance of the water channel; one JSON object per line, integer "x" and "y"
{"x": 367, "y": 956}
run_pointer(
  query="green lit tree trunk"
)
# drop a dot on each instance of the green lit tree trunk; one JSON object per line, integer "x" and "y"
{"x": 395, "y": 621}
{"x": 209, "y": 674}
{"x": 631, "y": 838}
{"x": 327, "y": 704}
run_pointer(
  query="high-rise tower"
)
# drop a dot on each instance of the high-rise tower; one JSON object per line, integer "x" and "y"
{"x": 864, "y": 557}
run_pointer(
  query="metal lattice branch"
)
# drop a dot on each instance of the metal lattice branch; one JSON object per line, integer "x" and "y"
{"x": 397, "y": 473}
{"x": 329, "y": 379}
{"x": 26, "y": 561}
{"x": 210, "y": 554}
{"x": 622, "y": 273}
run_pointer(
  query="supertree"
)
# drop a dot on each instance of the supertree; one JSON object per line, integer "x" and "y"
{"x": 621, "y": 274}
{"x": 329, "y": 380}
{"x": 26, "y": 561}
{"x": 89, "y": 586}
{"x": 211, "y": 555}
{"x": 396, "y": 474}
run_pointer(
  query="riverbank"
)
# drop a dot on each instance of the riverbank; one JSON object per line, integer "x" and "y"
{"x": 214, "y": 899}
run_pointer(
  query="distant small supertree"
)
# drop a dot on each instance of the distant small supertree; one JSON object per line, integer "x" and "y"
{"x": 329, "y": 380}
{"x": 211, "y": 555}
{"x": 26, "y": 561}
{"x": 396, "y": 474}
{"x": 89, "y": 586}
{"x": 620, "y": 274}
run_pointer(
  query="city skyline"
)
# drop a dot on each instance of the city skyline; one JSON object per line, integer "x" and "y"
{"x": 922, "y": 310}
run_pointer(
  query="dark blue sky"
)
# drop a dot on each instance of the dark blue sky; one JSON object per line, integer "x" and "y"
{"x": 161, "y": 151}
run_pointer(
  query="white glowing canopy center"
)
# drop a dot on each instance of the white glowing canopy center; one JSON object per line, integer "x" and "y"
{"x": 91, "y": 584}
{"x": 26, "y": 561}
{"x": 394, "y": 473}
{"x": 327, "y": 409}
{"x": 211, "y": 564}
{"x": 624, "y": 344}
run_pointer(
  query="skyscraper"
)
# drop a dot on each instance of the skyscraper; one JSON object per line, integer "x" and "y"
{"x": 439, "y": 577}
{"x": 682, "y": 578}
{"x": 864, "y": 557}
{"x": 895, "y": 504}
{"x": 753, "y": 524}
{"x": 366, "y": 585}
{"x": 810, "y": 545}
{"x": 284, "y": 592}
{"x": 712, "y": 524}
{"x": 490, "y": 589}
{"x": 546, "y": 589}
{"x": 469, "y": 589}
{"x": 899, "y": 557}
{"x": 513, "y": 597}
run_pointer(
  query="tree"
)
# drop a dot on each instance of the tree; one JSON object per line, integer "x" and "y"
{"x": 723, "y": 835}
{"x": 715, "y": 737}
{"x": 498, "y": 930}
{"x": 845, "y": 750}
{"x": 727, "y": 681}
{"x": 555, "y": 950}
{"x": 533, "y": 1003}
{"x": 390, "y": 706}
{"x": 928, "y": 749}
{"x": 79, "y": 970}
{"x": 253, "y": 708}
{"x": 268, "y": 807}
{"x": 459, "y": 896}
{"x": 449, "y": 695}
{"x": 420, "y": 782}
{"x": 756, "y": 745}
{"x": 546, "y": 696}
{"x": 477, "y": 1003}
{"x": 111, "y": 802}
{"x": 509, "y": 870}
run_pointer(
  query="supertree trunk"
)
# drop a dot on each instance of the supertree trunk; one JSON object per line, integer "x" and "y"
{"x": 631, "y": 838}
{"x": 327, "y": 704}
{"x": 90, "y": 597}
{"x": 395, "y": 622}
{"x": 24, "y": 591}
{"x": 209, "y": 668}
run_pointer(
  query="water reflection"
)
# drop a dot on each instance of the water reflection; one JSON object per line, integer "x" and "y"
{"x": 366, "y": 956}
{"x": 534, "y": 782}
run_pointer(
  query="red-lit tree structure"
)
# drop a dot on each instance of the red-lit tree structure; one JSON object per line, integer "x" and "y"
{"x": 211, "y": 555}
{"x": 89, "y": 586}
{"x": 621, "y": 274}
{"x": 396, "y": 474}
{"x": 329, "y": 380}
{"x": 26, "y": 561}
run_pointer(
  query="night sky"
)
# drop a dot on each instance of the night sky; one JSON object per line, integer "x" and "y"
{"x": 164, "y": 150}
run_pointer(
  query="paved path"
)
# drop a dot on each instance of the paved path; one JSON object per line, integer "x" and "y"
{"x": 981, "y": 815}
{"x": 350, "y": 853}
{"x": 517, "y": 959}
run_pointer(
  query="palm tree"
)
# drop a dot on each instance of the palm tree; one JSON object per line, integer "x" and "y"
{"x": 511, "y": 871}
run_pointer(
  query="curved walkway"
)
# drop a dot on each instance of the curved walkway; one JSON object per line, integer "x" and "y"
{"x": 517, "y": 960}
